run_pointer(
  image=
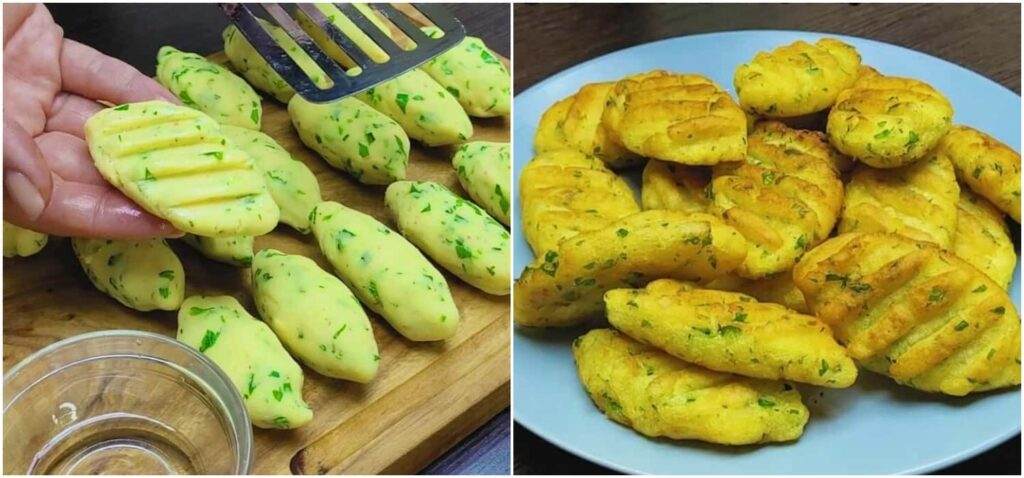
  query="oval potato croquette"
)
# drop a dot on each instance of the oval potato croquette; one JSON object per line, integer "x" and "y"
{"x": 143, "y": 275}
{"x": 566, "y": 286}
{"x": 982, "y": 238}
{"x": 472, "y": 73}
{"x": 796, "y": 79}
{"x": 782, "y": 199}
{"x": 268, "y": 379}
{"x": 987, "y": 166}
{"x": 388, "y": 274}
{"x": 177, "y": 164}
{"x": 914, "y": 312}
{"x": 209, "y": 87}
{"x": 426, "y": 111}
{"x": 674, "y": 186}
{"x": 683, "y": 118}
{"x": 661, "y": 396}
{"x": 314, "y": 315}
{"x": 731, "y": 332}
{"x": 565, "y": 192}
{"x": 887, "y": 121}
{"x": 454, "y": 232}
{"x": 484, "y": 169}
{"x": 917, "y": 201}
{"x": 353, "y": 137}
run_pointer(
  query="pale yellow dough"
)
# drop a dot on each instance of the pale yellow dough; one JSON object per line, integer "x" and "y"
{"x": 143, "y": 275}
{"x": 209, "y": 87}
{"x": 177, "y": 164}
{"x": 454, "y": 232}
{"x": 315, "y": 316}
{"x": 388, "y": 274}
{"x": 353, "y": 137}
{"x": 245, "y": 348}
{"x": 292, "y": 185}
{"x": 21, "y": 242}
{"x": 474, "y": 75}
{"x": 485, "y": 172}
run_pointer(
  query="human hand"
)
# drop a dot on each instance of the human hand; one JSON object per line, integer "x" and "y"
{"x": 51, "y": 87}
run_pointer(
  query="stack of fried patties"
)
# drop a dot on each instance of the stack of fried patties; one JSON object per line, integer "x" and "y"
{"x": 833, "y": 217}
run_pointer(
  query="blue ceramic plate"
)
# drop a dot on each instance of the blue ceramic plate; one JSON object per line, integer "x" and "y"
{"x": 873, "y": 427}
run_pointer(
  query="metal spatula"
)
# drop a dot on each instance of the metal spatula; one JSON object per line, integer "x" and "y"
{"x": 388, "y": 60}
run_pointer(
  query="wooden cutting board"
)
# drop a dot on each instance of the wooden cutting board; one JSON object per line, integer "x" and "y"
{"x": 426, "y": 396}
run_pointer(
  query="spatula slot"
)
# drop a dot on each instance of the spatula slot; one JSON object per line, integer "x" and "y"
{"x": 382, "y": 41}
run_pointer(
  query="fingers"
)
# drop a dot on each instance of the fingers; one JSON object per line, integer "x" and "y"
{"x": 27, "y": 178}
{"x": 68, "y": 157}
{"x": 68, "y": 114}
{"x": 14, "y": 15}
{"x": 92, "y": 211}
{"x": 89, "y": 73}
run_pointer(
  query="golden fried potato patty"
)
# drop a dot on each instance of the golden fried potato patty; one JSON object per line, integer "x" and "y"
{"x": 566, "y": 286}
{"x": 914, "y": 312}
{"x": 565, "y": 192}
{"x": 661, "y": 396}
{"x": 987, "y": 166}
{"x": 796, "y": 79}
{"x": 731, "y": 332}
{"x": 783, "y": 199}
{"x": 917, "y": 201}
{"x": 888, "y": 121}
{"x": 683, "y": 118}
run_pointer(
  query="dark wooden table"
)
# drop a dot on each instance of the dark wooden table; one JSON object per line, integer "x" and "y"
{"x": 134, "y": 33}
{"x": 550, "y": 38}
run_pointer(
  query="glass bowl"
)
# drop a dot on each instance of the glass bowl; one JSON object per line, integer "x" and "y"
{"x": 123, "y": 402}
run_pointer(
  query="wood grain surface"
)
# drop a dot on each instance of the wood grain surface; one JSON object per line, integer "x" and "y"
{"x": 426, "y": 396}
{"x": 550, "y": 38}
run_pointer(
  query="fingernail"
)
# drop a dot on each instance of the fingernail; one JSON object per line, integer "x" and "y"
{"x": 24, "y": 194}
{"x": 167, "y": 230}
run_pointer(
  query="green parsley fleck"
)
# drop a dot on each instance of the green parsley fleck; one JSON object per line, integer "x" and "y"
{"x": 209, "y": 339}
{"x": 402, "y": 100}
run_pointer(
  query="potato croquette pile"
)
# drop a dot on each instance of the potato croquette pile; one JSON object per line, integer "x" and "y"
{"x": 831, "y": 221}
{"x": 205, "y": 167}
